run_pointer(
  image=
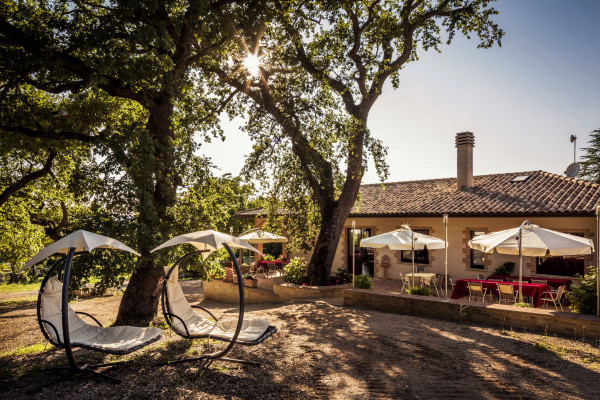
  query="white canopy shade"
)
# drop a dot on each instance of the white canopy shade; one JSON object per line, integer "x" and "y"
{"x": 82, "y": 241}
{"x": 207, "y": 240}
{"x": 531, "y": 240}
{"x": 400, "y": 239}
{"x": 260, "y": 236}
{"x": 535, "y": 242}
{"x": 404, "y": 239}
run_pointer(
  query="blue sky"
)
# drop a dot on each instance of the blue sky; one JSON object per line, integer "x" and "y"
{"x": 522, "y": 101}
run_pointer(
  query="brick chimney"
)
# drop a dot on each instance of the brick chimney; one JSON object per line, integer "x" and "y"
{"x": 465, "y": 141}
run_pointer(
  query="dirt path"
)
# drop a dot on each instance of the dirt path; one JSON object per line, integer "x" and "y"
{"x": 324, "y": 350}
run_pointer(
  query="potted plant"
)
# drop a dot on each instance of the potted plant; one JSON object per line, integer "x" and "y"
{"x": 250, "y": 281}
{"x": 228, "y": 274}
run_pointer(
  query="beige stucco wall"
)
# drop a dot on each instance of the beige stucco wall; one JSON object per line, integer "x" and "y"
{"x": 458, "y": 236}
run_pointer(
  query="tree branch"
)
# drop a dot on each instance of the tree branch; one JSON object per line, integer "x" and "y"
{"x": 68, "y": 62}
{"x": 52, "y": 135}
{"x": 24, "y": 181}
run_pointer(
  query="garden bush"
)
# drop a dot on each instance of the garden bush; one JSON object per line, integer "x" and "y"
{"x": 582, "y": 297}
{"x": 363, "y": 282}
{"x": 343, "y": 276}
{"x": 419, "y": 291}
{"x": 505, "y": 269}
{"x": 295, "y": 271}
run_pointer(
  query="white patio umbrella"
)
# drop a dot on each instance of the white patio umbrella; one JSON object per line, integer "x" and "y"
{"x": 207, "y": 240}
{"x": 404, "y": 239}
{"x": 531, "y": 240}
{"x": 82, "y": 241}
{"x": 259, "y": 236}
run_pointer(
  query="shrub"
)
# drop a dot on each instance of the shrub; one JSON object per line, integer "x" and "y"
{"x": 294, "y": 271}
{"x": 582, "y": 297}
{"x": 363, "y": 282}
{"x": 505, "y": 269}
{"x": 343, "y": 276}
{"x": 419, "y": 291}
{"x": 248, "y": 276}
{"x": 524, "y": 305}
{"x": 269, "y": 257}
{"x": 214, "y": 270}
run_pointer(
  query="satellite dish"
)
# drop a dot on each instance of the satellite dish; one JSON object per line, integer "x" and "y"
{"x": 572, "y": 170}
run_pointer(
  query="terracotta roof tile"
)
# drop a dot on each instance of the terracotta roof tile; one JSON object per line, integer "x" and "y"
{"x": 541, "y": 193}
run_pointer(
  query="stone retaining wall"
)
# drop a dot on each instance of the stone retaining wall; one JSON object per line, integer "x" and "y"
{"x": 228, "y": 292}
{"x": 502, "y": 316}
{"x": 308, "y": 292}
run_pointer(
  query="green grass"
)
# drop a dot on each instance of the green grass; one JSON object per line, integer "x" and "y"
{"x": 20, "y": 287}
{"x": 21, "y": 351}
{"x": 16, "y": 301}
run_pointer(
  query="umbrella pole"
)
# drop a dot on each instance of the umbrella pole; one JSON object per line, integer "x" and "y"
{"x": 446, "y": 250}
{"x": 353, "y": 254}
{"x": 597, "y": 260}
{"x": 412, "y": 252}
{"x": 521, "y": 262}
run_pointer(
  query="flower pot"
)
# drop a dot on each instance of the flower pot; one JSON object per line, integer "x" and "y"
{"x": 228, "y": 278}
{"x": 251, "y": 282}
{"x": 235, "y": 279}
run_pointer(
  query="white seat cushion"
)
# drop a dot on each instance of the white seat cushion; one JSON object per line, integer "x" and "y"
{"x": 116, "y": 339}
{"x": 198, "y": 326}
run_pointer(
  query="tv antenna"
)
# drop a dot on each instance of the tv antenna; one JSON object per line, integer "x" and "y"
{"x": 573, "y": 169}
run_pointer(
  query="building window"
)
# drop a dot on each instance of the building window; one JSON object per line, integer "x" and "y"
{"x": 421, "y": 256}
{"x": 477, "y": 257}
{"x": 562, "y": 266}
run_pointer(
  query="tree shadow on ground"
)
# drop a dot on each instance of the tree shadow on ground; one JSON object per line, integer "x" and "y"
{"x": 393, "y": 359}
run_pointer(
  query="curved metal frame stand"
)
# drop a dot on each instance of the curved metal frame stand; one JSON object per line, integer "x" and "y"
{"x": 207, "y": 359}
{"x": 73, "y": 367}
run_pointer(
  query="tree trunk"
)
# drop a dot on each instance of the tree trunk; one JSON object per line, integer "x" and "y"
{"x": 157, "y": 190}
{"x": 321, "y": 261}
{"x": 333, "y": 216}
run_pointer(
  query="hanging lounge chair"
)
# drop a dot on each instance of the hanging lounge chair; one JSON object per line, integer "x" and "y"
{"x": 187, "y": 323}
{"x": 63, "y": 327}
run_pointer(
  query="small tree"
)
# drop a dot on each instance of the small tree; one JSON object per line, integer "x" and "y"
{"x": 591, "y": 159}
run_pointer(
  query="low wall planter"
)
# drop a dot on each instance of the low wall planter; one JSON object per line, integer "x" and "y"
{"x": 291, "y": 291}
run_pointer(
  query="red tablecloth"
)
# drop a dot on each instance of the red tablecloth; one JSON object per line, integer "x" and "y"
{"x": 461, "y": 289}
{"x": 554, "y": 282}
{"x": 264, "y": 263}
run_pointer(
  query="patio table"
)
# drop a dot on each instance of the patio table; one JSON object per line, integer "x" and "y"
{"x": 554, "y": 282}
{"x": 424, "y": 277}
{"x": 534, "y": 290}
{"x": 265, "y": 264}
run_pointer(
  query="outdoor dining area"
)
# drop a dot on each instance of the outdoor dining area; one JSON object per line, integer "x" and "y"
{"x": 267, "y": 267}
{"x": 527, "y": 240}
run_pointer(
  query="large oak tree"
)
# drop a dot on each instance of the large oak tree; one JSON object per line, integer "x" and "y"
{"x": 324, "y": 65}
{"x": 134, "y": 64}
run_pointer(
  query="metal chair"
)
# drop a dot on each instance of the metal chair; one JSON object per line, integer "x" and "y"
{"x": 433, "y": 284}
{"x": 421, "y": 268}
{"x": 261, "y": 269}
{"x": 554, "y": 298}
{"x": 406, "y": 282}
{"x": 506, "y": 293}
{"x": 271, "y": 267}
{"x": 540, "y": 281}
{"x": 480, "y": 276}
{"x": 476, "y": 289}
